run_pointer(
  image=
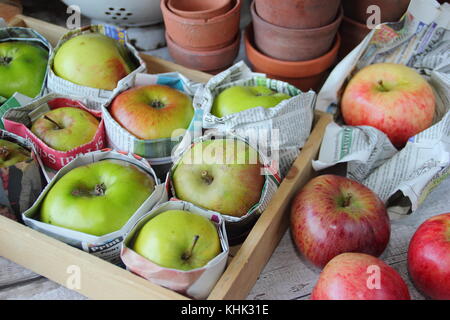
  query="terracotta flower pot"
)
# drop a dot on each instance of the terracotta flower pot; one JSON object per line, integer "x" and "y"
{"x": 304, "y": 75}
{"x": 199, "y": 9}
{"x": 352, "y": 34}
{"x": 212, "y": 61}
{"x": 293, "y": 44}
{"x": 391, "y": 10}
{"x": 298, "y": 14}
{"x": 202, "y": 34}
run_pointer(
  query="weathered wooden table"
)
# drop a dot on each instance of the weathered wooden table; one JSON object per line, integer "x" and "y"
{"x": 285, "y": 277}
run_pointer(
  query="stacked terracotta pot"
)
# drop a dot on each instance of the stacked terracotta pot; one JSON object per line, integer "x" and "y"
{"x": 202, "y": 34}
{"x": 294, "y": 40}
{"x": 354, "y": 27}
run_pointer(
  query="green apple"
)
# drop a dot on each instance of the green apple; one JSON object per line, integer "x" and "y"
{"x": 153, "y": 111}
{"x": 223, "y": 175}
{"x": 97, "y": 198}
{"x": 65, "y": 128}
{"x": 22, "y": 68}
{"x": 12, "y": 153}
{"x": 239, "y": 98}
{"x": 179, "y": 240}
{"x": 93, "y": 60}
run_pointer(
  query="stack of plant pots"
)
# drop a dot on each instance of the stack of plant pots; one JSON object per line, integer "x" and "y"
{"x": 294, "y": 40}
{"x": 202, "y": 34}
{"x": 354, "y": 27}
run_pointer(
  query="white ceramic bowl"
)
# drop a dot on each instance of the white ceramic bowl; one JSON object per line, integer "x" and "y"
{"x": 121, "y": 12}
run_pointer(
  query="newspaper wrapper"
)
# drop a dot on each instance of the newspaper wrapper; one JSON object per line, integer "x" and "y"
{"x": 196, "y": 283}
{"x": 280, "y": 131}
{"x": 22, "y": 182}
{"x": 237, "y": 227}
{"x": 157, "y": 151}
{"x": 95, "y": 97}
{"x": 421, "y": 40}
{"x": 28, "y": 35}
{"x": 108, "y": 246}
{"x": 19, "y": 120}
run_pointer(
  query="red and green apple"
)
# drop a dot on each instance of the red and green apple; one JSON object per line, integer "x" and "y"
{"x": 65, "y": 128}
{"x": 358, "y": 276}
{"x": 333, "y": 214}
{"x": 223, "y": 175}
{"x": 390, "y": 97}
{"x": 152, "y": 111}
{"x": 93, "y": 60}
{"x": 429, "y": 257}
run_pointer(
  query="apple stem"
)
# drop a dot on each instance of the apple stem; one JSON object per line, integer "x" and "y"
{"x": 5, "y": 60}
{"x": 382, "y": 87}
{"x": 53, "y": 121}
{"x": 347, "y": 200}
{"x": 206, "y": 177}
{"x": 4, "y": 153}
{"x": 157, "y": 104}
{"x": 100, "y": 189}
{"x": 187, "y": 255}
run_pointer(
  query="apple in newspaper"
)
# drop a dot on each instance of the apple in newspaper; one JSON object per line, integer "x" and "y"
{"x": 93, "y": 60}
{"x": 392, "y": 98}
{"x": 65, "y": 128}
{"x": 23, "y": 64}
{"x": 429, "y": 257}
{"x": 97, "y": 198}
{"x": 179, "y": 240}
{"x": 152, "y": 111}
{"x": 223, "y": 175}
{"x": 12, "y": 153}
{"x": 358, "y": 276}
{"x": 332, "y": 215}
{"x": 239, "y": 98}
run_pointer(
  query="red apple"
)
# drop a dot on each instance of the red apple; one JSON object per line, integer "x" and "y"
{"x": 390, "y": 97}
{"x": 358, "y": 276}
{"x": 332, "y": 215}
{"x": 429, "y": 257}
{"x": 152, "y": 111}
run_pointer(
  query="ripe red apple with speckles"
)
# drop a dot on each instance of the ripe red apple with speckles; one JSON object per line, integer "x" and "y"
{"x": 429, "y": 257}
{"x": 358, "y": 276}
{"x": 391, "y": 97}
{"x": 333, "y": 214}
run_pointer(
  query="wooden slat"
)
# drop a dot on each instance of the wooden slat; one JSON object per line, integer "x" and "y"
{"x": 243, "y": 271}
{"x": 51, "y": 258}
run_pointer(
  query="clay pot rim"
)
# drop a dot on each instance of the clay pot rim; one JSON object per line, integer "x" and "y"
{"x": 236, "y": 42}
{"x": 333, "y": 25}
{"x": 201, "y": 14}
{"x": 291, "y": 69}
{"x": 219, "y": 19}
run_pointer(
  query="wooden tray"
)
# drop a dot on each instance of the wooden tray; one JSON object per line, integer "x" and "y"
{"x": 103, "y": 280}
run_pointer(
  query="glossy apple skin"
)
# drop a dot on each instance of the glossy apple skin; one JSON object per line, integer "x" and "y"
{"x": 239, "y": 98}
{"x": 230, "y": 188}
{"x": 76, "y": 128}
{"x": 24, "y": 64}
{"x": 404, "y": 108}
{"x": 12, "y": 153}
{"x": 93, "y": 60}
{"x": 348, "y": 277}
{"x": 429, "y": 257}
{"x": 322, "y": 227}
{"x": 153, "y": 111}
{"x": 73, "y": 203}
{"x": 167, "y": 240}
